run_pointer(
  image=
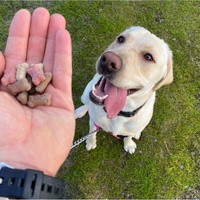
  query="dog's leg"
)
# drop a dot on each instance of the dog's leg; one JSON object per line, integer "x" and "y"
{"x": 129, "y": 145}
{"x": 137, "y": 135}
{"x": 81, "y": 111}
{"x": 91, "y": 141}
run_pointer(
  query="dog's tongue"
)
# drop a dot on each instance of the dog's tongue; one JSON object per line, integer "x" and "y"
{"x": 115, "y": 101}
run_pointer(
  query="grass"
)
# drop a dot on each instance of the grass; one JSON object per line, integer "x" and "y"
{"x": 166, "y": 163}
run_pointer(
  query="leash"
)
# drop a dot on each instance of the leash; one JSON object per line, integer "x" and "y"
{"x": 119, "y": 137}
{"x": 79, "y": 141}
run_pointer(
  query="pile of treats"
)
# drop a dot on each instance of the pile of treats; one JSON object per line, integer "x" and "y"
{"x": 28, "y": 83}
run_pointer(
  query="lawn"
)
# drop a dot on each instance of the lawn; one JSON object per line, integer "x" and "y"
{"x": 166, "y": 163}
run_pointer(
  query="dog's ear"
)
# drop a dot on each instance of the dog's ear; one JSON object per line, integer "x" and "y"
{"x": 169, "y": 74}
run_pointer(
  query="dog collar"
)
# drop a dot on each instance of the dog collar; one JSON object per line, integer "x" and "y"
{"x": 127, "y": 113}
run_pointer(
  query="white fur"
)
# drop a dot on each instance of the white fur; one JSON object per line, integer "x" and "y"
{"x": 136, "y": 72}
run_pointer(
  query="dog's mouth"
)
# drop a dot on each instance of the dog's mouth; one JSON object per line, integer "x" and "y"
{"x": 112, "y": 97}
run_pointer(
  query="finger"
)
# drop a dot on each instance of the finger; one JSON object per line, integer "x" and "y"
{"x": 38, "y": 33}
{"x": 62, "y": 70}
{"x": 2, "y": 64}
{"x": 16, "y": 46}
{"x": 56, "y": 23}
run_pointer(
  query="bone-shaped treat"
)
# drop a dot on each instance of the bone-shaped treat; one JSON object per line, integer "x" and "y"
{"x": 25, "y": 82}
{"x": 42, "y": 86}
{"x": 22, "y": 97}
{"x": 37, "y": 73}
{"x": 21, "y": 71}
{"x": 19, "y": 86}
{"x": 39, "y": 100}
{"x": 8, "y": 77}
{"x": 32, "y": 90}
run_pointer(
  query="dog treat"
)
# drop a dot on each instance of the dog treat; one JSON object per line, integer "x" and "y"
{"x": 19, "y": 86}
{"x": 37, "y": 73}
{"x": 8, "y": 77}
{"x": 42, "y": 86}
{"x": 39, "y": 100}
{"x": 28, "y": 83}
{"x": 21, "y": 71}
{"x": 22, "y": 97}
{"x": 32, "y": 90}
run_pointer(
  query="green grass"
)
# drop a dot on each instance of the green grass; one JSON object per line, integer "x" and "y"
{"x": 166, "y": 163}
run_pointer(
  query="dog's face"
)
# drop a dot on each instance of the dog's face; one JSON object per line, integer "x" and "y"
{"x": 135, "y": 61}
{"x": 143, "y": 60}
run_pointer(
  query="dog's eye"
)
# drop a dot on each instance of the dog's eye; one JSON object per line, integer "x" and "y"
{"x": 121, "y": 39}
{"x": 148, "y": 57}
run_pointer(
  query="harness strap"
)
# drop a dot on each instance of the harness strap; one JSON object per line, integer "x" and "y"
{"x": 123, "y": 114}
{"x": 130, "y": 114}
{"x": 119, "y": 137}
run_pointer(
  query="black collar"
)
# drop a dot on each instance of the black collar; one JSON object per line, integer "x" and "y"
{"x": 128, "y": 114}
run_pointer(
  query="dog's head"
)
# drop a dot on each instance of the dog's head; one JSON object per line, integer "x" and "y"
{"x": 135, "y": 61}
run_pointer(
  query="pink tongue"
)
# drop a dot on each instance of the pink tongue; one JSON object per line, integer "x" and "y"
{"x": 115, "y": 101}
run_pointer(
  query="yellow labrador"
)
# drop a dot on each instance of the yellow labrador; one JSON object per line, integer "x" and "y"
{"x": 120, "y": 97}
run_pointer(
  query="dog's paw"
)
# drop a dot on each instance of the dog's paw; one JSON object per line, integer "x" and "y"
{"x": 130, "y": 149}
{"x": 90, "y": 146}
{"x": 129, "y": 145}
{"x": 91, "y": 143}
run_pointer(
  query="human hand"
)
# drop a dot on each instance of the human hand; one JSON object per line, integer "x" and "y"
{"x": 38, "y": 138}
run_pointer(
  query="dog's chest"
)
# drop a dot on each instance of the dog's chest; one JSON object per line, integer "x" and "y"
{"x": 118, "y": 126}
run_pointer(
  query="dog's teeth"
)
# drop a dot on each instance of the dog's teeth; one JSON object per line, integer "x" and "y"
{"x": 96, "y": 95}
{"x": 93, "y": 88}
{"x": 105, "y": 96}
{"x": 99, "y": 97}
{"x": 101, "y": 82}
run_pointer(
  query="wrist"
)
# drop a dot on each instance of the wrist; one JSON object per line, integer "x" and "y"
{"x": 25, "y": 166}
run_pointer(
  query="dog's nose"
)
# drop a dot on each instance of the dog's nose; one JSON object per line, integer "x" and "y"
{"x": 110, "y": 62}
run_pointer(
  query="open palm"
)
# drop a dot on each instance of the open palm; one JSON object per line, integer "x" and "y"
{"x": 38, "y": 138}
